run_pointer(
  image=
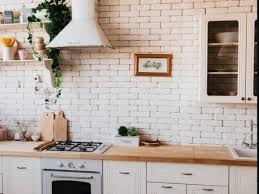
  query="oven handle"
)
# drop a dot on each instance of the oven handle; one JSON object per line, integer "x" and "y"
{"x": 70, "y": 177}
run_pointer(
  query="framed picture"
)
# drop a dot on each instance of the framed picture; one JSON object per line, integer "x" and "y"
{"x": 153, "y": 65}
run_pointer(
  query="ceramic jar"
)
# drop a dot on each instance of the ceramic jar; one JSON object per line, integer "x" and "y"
{"x": 3, "y": 133}
{"x": 8, "y": 53}
{"x": 40, "y": 47}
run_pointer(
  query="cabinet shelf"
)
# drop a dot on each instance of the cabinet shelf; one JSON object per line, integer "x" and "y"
{"x": 222, "y": 73}
{"x": 223, "y": 44}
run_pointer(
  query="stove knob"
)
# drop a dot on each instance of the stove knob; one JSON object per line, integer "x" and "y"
{"x": 60, "y": 164}
{"x": 81, "y": 165}
{"x": 71, "y": 165}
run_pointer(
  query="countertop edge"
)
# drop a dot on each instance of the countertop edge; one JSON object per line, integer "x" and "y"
{"x": 131, "y": 158}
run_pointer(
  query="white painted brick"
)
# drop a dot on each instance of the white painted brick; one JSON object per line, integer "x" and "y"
{"x": 101, "y": 93}
{"x": 227, "y": 3}
{"x": 240, "y": 9}
{"x": 216, "y": 10}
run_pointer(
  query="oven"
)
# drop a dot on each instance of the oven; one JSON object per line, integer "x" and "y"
{"x": 72, "y": 177}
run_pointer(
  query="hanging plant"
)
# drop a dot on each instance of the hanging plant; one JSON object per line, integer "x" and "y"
{"x": 59, "y": 15}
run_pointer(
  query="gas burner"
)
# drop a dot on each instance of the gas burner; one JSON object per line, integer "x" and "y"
{"x": 69, "y": 146}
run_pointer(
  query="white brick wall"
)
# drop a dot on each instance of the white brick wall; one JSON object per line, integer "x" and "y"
{"x": 100, "y": 92}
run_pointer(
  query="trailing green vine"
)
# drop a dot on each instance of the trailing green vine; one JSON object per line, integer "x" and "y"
{"x": 59, "y": 15}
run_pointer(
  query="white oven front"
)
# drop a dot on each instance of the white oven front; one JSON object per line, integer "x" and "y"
{"x": 68, "y": 182}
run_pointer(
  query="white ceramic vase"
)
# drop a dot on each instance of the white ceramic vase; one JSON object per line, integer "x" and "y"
{"x": 8, "y": 54}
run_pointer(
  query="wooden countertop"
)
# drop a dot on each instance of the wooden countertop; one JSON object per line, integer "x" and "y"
{"x": 167, "y": 153}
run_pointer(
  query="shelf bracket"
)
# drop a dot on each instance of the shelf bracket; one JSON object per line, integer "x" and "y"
{"x": 48, "y": 63}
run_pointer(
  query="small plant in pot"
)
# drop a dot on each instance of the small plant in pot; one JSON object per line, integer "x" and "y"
{"x": 127, "y": 137}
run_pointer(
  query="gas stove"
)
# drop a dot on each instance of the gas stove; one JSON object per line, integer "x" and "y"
{"x": 87, "y": 147}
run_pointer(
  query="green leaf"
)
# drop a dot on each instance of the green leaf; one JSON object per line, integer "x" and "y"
{"x": 60, "y": 15}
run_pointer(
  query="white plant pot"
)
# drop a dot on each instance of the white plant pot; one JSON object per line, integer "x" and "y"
{"x": 8, "y": 54}
{"x": 42, "y": 15}
{"x": 126, "y": 140}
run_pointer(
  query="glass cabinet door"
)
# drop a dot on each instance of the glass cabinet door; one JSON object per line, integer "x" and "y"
{"x": 251, "y": 76}
{"x": 223, "y": 62}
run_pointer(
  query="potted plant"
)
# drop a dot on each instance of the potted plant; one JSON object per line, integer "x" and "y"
{"x": 54, "y": 16}
{"x": 127, "y": 137}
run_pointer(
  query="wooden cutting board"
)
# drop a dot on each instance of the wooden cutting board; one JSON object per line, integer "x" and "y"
{"x": 60, "y": 127}
{"x": 46, "y": 126}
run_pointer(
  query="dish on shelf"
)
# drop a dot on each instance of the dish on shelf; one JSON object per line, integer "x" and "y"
{"x": 151, "y": 143}
{"x": 222, "y": 37}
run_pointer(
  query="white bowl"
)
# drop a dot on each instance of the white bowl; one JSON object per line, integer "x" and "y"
{"x": 226, "y": 37}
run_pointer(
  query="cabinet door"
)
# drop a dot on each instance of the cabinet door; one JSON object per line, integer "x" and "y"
{"x": 163, "y": 188}
{"x": 124, "y": 177}
{"x": 251, "y": 73}
{"x": 200, "y": 189}
{"x": 21, "y": 175}
{"x": 243, "y": 180}
{"x": 223, "y": 58}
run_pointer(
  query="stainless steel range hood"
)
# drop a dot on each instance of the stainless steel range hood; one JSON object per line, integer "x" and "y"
{"x": 83, "y": 31}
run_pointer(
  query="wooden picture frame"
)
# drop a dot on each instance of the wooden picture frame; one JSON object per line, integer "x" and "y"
{"x": 159, "y": 65}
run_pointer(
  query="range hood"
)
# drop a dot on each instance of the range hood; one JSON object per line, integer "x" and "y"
{"x": 83, "y": 31}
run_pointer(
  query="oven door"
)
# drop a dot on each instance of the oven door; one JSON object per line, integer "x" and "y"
{"x": 65, "y": 182}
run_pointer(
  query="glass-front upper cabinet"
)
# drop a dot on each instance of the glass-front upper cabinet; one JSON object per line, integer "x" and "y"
{"x": 223, "y": 58}
{"x": 251, "y": 73}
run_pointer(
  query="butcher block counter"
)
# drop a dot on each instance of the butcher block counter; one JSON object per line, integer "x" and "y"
{"x": 165, "y": 153}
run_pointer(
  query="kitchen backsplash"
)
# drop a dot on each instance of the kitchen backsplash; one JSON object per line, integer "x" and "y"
{"x": 101, "y": 93}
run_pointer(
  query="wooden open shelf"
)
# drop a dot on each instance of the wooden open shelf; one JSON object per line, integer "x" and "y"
{"x": 19, "y": 61}
{"x": 15, "y": 26}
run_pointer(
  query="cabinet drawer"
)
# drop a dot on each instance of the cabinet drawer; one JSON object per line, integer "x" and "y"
{"x": 20, "y": 164}
{"x": 164, "y": 188}
{"x": 188, "y": 174}
{"x": 198, "y": 189}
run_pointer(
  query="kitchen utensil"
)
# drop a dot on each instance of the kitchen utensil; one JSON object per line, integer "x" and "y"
{"x": 60, "y": 127}
{"x": 7, "y": 42}
{"x": 226, "y": 37}
{"x": 46, "y": 126}
{"x": 44, "y": 146}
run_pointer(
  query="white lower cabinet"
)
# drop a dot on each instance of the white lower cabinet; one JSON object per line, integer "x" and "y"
{"x": 124, "y": 177}
{"x": 165, "y": 188}
{"x": 243, "y": 180}
{"x": 21, "y": 175}
{"x": 202, "y": 189}
{"x": 198, "y": 174}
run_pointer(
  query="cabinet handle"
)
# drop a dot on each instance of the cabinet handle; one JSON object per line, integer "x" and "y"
{"x": 21, "y": 167}
{"x": 71, "y": 177}
{"x": 166, "y": 187}
{"x": 243, "y": 98}
{"x": 186, "y": 174}
{"x": 249, "y": 98}
{"x": 124, "y": 172}
{"x": 204, "y": 189}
